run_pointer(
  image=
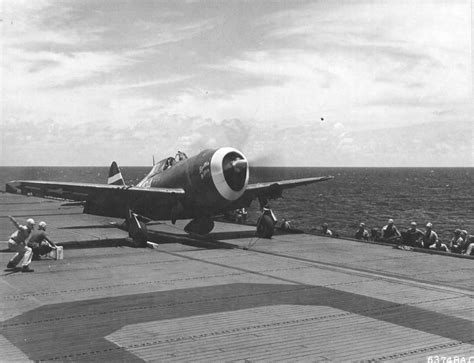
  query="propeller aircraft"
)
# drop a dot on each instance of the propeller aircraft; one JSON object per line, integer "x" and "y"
{"x": 198, "y": 188}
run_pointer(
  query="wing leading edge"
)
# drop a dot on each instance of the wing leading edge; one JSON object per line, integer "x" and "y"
{"x": 80, "y": 191}
{"x": 272, "y": 190}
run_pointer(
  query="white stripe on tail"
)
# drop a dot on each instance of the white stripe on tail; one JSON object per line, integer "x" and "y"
{"x": 115, "y": 175}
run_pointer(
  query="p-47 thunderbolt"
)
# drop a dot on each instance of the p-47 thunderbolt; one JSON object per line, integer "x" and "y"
{"x": 197, "y": 188}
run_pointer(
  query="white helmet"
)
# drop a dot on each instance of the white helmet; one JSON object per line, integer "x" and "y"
{"x": 42, "y": 225}
{"x": 30, "y": 222}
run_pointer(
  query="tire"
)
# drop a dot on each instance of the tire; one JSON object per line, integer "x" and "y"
{"x": 138, "y": 234}
{"x": 265, "y": 227}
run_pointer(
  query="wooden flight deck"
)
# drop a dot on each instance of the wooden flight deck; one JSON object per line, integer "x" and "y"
{"x": 229, "y": 297}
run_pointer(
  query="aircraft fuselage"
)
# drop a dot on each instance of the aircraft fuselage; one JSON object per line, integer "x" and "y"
{"x": 212, "y": 180}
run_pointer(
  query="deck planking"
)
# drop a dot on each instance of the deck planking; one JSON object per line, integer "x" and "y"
{"x": 292, "y": 298}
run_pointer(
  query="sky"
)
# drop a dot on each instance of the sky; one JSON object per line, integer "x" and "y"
{"x": 289, "y": 83}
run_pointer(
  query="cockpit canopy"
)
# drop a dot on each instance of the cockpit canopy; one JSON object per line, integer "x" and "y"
{"x": 168, "y": 162}
{"x": 162, "y": 165}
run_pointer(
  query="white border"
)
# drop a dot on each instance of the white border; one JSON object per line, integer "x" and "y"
{"x": 217, "y": 174}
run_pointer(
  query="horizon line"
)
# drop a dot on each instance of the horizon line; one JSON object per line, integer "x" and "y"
{"x": 251, "y": 166}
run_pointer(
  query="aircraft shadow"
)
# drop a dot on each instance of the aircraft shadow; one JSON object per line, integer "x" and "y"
{"x": 112, "y": 225}
{"x": 89, "y": 226}
{"x": 189, "y": 240}
{"x": 246, "y": 234}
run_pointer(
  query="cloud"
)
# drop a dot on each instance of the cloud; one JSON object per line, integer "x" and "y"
{"x": 39, "y": 70}
{"x": 284, "y": 65}
{"x": 173, "y": 33}
{"x": 148, "y": 76}
{"x": 212, "y": 134}
{"x": 320, "y": 143}
{"x": 431, "y": 144}
{"x": 49, "y": 142}
{"x": 401, "y": 42}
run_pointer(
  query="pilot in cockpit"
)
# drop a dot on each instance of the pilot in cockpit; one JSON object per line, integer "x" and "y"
{"x": 180, "y": 156}
{"x": 169, "y": 163}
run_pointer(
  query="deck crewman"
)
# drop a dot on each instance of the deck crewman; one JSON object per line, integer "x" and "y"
{"x": 362, "y": 232}
{"x": 457, "y": 242}
{"x": 18, "y": 243}
{"x": 468, "y": 242}
{"x": 285, "y": 225}
{"x": 413, "y": 237}
{"x": 325, "y": 230}
{"x": 430, "y": 237}
{"x": 39, "y": 242}
{"x": 390, "y": 233}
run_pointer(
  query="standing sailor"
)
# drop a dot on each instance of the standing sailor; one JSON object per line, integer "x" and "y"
{"x": 17, "y": 243}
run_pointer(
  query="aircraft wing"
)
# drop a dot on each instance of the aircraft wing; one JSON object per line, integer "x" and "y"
{"x": 101, "y": 199}
{"x": 79, "y": 191}
{"x": 272, "y": 190}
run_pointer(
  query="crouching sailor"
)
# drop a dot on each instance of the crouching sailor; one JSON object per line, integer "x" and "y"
{"x": 285, "y": 225}
{"x": 390, "y": 233}
{"x": 17, "y": 243}
{"x": 266, "y": 222}
{"x": 40, "y": 243}
{"x": 362, "y": 233}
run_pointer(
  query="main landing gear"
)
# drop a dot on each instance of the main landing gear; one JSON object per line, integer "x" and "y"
{"x": 136, "y": 228}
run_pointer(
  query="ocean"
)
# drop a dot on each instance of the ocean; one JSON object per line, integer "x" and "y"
{"x": 442, "y": 196}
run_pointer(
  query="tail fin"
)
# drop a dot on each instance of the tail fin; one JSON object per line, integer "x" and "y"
{"x": 115, "y": 176}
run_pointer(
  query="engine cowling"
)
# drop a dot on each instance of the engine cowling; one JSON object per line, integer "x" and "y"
{"x": 229, "y": 172}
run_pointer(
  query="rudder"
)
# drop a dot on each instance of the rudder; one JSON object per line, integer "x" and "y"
{"x": 115, "y": 175}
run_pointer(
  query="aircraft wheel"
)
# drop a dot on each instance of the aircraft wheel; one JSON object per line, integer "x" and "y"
{"x": 138, "y": 234}
{"x": 139, "y": 241}
{"x": 265, "y": 227}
